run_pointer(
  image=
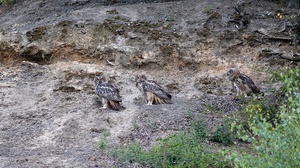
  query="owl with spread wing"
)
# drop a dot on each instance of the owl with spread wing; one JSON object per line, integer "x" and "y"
{"x": 109, "y": 93}
{"x": 242, "y": 84}
{"x": 153, "y": 92}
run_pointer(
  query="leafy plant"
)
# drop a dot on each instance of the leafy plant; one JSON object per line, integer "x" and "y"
{"x": 199, "y": 128}
{"x": 183, "y": 149}
{"x": 208, "y": 9}
{"x": 103, "y": 144}
{"x": 6, "y": 2}
{"x": 275, "y": 144}
{"x": 223, "y": 135}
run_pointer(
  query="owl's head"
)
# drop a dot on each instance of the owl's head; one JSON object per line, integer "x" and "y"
{"x": 233, "y": 73}
{"x": 138, "y": 77}
{"x": 141, "y": 77}
{"x": 99, "y": 79}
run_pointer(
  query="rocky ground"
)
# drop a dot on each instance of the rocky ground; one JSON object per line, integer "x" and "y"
{"x": 51, "y": 51}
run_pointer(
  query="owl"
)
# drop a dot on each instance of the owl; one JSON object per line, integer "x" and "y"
{"x": 242, "y": 84}
{"x": 109, "y": 94}
{"x": 152, "y": 91}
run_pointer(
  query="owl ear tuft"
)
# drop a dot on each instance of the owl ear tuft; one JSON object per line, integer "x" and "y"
{"x": 133, "y": 78}
{"x": 140, "y": 75}
{"x": 102, "y": 78}
{"x": 230, "y": 72}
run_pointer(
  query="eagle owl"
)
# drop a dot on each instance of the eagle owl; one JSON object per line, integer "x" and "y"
{"x": 109, "y": 94}
{"x": 153, "y": 92}
{"x": 241, "y": 83}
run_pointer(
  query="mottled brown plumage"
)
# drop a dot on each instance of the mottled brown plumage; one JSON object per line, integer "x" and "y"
{"x": 241, "y": 83}
{"x": 153, "y": 92}
{"x": 109, "y": 93}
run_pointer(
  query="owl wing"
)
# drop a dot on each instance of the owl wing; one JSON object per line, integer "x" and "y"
{"x": 154, "y": 87}
{"x": 108, "y": 92}
{"x": 248, "y": 81}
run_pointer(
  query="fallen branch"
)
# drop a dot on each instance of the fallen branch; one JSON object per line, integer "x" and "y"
{"x": 279, "y": 39}
{"x": 291, "y": 56}
{"x": 261, "y": 31}
{"x": 269, "y": 53}
{"x": 110, "y": 63}
{"x": 235, "y": 21}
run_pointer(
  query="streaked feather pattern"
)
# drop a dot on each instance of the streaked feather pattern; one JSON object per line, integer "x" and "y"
{"x": 153, "y": 92}
{"x": 155, "y": 88}
{"x": 109, "y": 93}
{"x": 241, "y": 83}
{"x": 248, "y": 81}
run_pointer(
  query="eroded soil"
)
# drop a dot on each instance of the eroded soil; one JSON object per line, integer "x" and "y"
{"x": 51, "y": 51}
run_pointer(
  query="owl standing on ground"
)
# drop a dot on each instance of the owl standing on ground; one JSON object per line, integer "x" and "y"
{"x": 109, "y": 93}
{"x": 242, "y": 84}
{"x": 153, "y": 92}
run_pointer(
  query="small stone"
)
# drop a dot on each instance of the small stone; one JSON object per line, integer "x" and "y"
{"x": 92, "y": 158}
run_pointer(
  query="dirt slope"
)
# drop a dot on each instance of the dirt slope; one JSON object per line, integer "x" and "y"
{"x": 51, "y": 51}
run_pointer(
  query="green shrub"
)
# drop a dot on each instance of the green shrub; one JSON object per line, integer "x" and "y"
{"x": 183, "y": 149}
{"x": 276, "y": 143}
{"x": 103, "y": 144}
{"x": 199, "y": 128}
{"x": 223, "y": 135}
{"x": 179, "y": 150}
{"x": 5, "y": 2}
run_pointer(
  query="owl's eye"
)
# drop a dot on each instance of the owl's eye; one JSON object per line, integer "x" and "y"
{"x": 229, "y": 72}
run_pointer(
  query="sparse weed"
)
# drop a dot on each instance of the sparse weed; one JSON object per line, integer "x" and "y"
{"x": 103, "y": 144}
{"x": 135, "y": 125}
{"x": 199, "y": 129}
{"x": 208, "y": 9}
{"x": 152, "y": 124}
{"x": 6, "y": 2}
{"x": 210, "y": 108}
{"x": 183, "y": 149}
{"x": 170, "y": 19}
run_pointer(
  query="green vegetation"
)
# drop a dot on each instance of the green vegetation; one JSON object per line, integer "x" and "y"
{"x": 295, "y": 21}
{"x": 179, "y": 150}
{"x": 6, "y": 2}
{"x": 223, "y": 135}
{"x": 269, "y": 124}
{"x": 273, "y": 133}
{"x": 184, "y": 149}
{"x": 208, "y": 9}
{"x": 103, "y": 144}
{"x": 290, "y": 3}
